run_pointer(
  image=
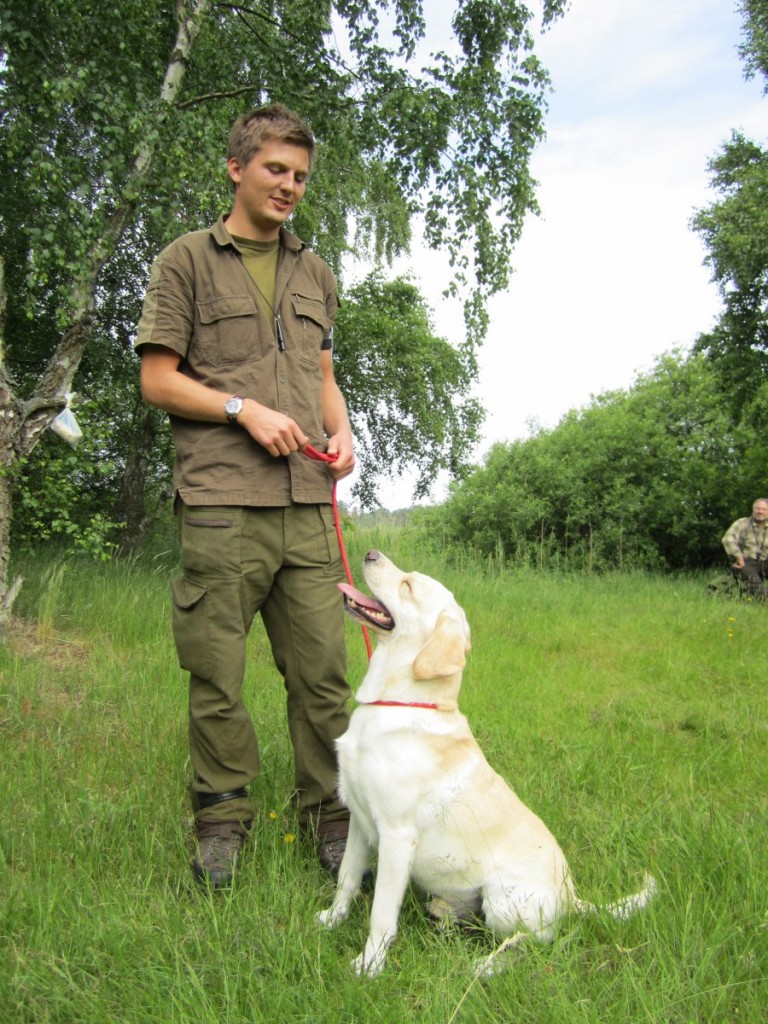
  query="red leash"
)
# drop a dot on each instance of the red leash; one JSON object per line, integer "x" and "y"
{"x": 313, "y": 453}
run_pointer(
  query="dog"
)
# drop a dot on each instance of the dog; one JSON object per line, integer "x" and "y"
{"x": 422, "y": 796}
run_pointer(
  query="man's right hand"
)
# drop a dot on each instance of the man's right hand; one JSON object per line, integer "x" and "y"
{"x": 279, "y": 434}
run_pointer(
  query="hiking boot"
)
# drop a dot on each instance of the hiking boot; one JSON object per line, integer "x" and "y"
{"x": 331, "y": 844}
{"x": 218, "y": 847}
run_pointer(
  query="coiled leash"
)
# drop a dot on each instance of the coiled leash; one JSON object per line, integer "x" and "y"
{"x": 313, "y": 453}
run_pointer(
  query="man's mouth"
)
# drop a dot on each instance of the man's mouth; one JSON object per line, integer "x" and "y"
{"x": 366, "y": 609}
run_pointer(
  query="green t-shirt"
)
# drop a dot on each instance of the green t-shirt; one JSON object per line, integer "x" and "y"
{"x": 260, "y": 260}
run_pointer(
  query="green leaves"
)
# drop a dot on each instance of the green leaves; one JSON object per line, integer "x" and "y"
{"x": 408, "y": 390}
{"x": 735, "y": 231}
{"x": 754, "y": 50}
{"x": 645, "y": 478}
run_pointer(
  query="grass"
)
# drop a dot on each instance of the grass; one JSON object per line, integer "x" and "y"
{"x": 628, "y": 711}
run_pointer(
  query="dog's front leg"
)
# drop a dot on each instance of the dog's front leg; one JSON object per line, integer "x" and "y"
{"x": 354, "y": 863}
{"x": 396, "y": 853}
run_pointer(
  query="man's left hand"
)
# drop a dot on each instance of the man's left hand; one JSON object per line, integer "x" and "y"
{"x": 345, "y": 463}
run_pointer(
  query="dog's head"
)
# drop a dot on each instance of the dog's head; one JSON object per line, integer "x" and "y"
{"x": 414, "y": 616}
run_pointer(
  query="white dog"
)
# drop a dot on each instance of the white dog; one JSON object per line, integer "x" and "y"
{"x": 420, "y": 792}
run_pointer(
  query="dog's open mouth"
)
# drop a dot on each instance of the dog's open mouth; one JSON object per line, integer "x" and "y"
{"x": 366, "y": 609}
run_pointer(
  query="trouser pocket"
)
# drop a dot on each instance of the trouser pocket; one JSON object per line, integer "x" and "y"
{"x": 190, "y": 626}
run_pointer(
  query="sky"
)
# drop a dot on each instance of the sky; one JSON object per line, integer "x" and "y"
{"x": 610, "y": 275}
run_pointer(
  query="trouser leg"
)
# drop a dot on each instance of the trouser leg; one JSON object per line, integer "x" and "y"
{"x": 304, "y": 619}
{"x": 212, "y": 615}
{"x": 752, "y": 575}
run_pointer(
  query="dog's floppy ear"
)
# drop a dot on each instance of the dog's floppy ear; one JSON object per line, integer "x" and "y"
{"x": 443, "y": 654}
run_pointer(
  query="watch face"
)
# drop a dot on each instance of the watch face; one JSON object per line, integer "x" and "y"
{"x": 233, "y": 407}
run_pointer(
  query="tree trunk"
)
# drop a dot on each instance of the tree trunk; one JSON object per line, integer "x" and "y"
{"x": 132, "y": 503}
{"x": 8, "y": 594}
{"x": 8, "y": 417}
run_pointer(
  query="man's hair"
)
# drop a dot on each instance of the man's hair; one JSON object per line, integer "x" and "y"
{"x": 275, "y": 122}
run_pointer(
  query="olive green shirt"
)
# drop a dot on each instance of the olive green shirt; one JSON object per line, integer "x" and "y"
{"x": 202, "y": 303}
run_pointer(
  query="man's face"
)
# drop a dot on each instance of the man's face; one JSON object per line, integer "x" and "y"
{"x": 268, "y": 189}
{"x": 760, "y": 511}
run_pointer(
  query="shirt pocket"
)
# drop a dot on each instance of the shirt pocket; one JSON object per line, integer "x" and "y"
{"x": 229, "y": 330}
{"x": 313, "y": 324}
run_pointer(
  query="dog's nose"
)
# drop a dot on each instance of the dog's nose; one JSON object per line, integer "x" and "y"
{"x": 373, "y": 556}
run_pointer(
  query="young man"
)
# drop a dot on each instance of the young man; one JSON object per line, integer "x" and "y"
{"x": 235, "y": 344}
{"x": 746, "y": 544}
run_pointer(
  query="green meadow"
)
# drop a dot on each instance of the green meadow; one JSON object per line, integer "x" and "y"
{"x": 629, "y": 711}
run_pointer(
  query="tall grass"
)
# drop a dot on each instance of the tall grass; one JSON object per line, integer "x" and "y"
{"x": 628, "y": 711}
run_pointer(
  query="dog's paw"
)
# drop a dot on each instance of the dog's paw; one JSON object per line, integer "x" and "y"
{"x": 369, "y": 967}
{"x": 330, "y": 918}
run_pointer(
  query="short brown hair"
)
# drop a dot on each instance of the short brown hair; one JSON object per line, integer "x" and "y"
{"x": 250, "y": 131}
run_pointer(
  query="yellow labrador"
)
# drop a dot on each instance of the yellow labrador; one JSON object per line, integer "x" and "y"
{"x": 422, "y": 795}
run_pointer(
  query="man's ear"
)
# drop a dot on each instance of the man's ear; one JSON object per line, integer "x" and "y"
{"x": 444, "y": 653}
{"x": 234, "y": 170}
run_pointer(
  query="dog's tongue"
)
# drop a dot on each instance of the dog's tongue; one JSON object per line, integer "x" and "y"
{"x": 359, "y": 598}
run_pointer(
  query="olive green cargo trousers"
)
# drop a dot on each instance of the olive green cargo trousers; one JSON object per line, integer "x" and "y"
{"x": 283, "y": 563}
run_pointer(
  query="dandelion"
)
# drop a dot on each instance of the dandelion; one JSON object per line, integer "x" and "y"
{"x": 273, "y": 815}
{"x": 289, "y": 837}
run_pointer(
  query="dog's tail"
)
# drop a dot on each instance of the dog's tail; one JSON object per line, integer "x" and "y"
{"x": 626, "y": 906}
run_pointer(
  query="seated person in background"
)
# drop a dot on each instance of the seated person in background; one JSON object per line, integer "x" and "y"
{"x": 746, "y": 543}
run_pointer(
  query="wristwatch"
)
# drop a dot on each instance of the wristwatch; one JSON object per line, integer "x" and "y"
{"x": 233, "y": 408}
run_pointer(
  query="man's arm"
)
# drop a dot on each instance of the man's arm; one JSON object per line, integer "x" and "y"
{"x": 164, "y": 386}
{"x": 336, "y": 421}
{"x": 732, "y": 544}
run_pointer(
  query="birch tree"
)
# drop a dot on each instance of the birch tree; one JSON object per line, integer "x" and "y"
{"x": 112, "y": 142}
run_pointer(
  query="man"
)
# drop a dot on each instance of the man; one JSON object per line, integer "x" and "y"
{"x": 746, "y": 543}
{"x": 235, "y": 344}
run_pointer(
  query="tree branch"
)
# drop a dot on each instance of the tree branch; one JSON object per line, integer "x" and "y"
{"x": 196, "y": 100}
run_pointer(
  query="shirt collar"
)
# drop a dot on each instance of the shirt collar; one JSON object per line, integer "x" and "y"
{"x": 223, "y": 237}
